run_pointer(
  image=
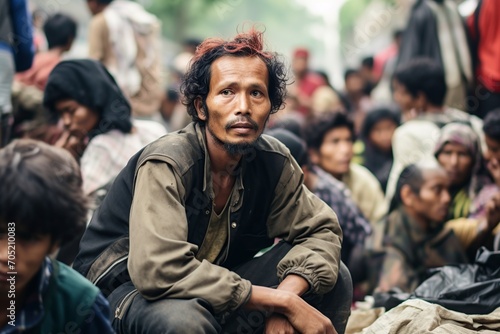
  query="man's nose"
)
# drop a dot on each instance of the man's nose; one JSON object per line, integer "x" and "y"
{"x": 243, "y": 104}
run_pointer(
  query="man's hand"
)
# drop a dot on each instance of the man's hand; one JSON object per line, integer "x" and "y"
{"x": 302, "y": 317}
{"x": 494, "y": 168}
{"x": 279, "y": 324}
{"x": 306, "y": 319}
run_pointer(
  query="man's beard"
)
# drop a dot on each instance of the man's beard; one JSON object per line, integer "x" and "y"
{"x": 230, "y": 148}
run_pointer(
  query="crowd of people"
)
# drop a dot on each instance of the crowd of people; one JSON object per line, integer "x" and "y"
{"x": 274, "y": 202}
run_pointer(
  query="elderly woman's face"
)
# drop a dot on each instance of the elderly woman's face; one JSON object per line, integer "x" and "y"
{"x": 78, "y": 119}
{"x": 457, "y": 161}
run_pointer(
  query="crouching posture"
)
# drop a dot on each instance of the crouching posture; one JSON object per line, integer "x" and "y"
{"x": 174, "y": 241}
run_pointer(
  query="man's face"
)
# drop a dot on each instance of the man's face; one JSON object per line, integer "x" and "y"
{"x": 354, "y": 84}
{"x": 493, "y": 149}
{"x": 299, "y": 65}
{"x": 94, "y": 6}
{"x": 457, "y": 162}
{"x": 403, "y": 98}
{"x": 238, "y": 101}
{"x": 336, "y": 152}
{"x": 433, "y": 200}
{"x": 28, "y": 258}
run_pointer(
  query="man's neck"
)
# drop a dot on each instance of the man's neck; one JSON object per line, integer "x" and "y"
{"x": 421, "y": 222}
{"x": 433, "y": 109}
{"x": 221, "y": 162}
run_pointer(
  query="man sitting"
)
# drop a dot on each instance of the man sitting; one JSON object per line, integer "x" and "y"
{"x": 198, "y": 204}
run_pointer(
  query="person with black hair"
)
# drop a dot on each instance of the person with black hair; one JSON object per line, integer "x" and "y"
{"x": 436, "y": 30}
{"x": 420, "y": 90}
{"x": 491, "y": 129}
{"x": 60, "y": 31}
{"x": 374, "y": 149}
{"x": 181, "y": 224}
{"x": 330, "y": 140}
{"x": 415, "y": 239}
{"x": 99, "y": 131}
{"x": 42, "y": 205}
{"x": 355, "y": 227}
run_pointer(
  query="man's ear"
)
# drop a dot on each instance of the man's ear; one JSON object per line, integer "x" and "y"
{"x": 200, "y": 110}
{"x": 314, "y": 156}
{"x": 408, "y": 197}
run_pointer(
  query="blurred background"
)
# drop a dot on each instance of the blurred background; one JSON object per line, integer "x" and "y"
{"x": 338, "y": 33}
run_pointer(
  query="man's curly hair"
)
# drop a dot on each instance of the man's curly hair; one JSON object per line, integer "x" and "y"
{"x": 196, "y": 82}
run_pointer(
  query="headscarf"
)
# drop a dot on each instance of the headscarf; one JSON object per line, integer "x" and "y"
{"x": 463, "y": 134}
{"x": 90, "y": 84}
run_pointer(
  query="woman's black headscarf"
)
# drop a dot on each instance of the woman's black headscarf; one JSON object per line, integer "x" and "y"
{"x": 90, "y": 84}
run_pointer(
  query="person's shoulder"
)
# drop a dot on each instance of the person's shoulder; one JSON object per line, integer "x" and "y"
{"x": 358, "y": 171}
{"x": 71, "y": 286}
{"x": 98, "y": 21}
{"x": 415, "y": 128}
{"x": 267, "y": 143}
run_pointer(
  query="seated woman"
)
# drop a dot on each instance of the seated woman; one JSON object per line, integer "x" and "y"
{"x": 99, "y": 131}
{"x": 458, "y": 151}
{"x": 374, "y": 149}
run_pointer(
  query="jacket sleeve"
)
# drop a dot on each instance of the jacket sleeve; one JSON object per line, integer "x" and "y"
{"x": 162, "y": 264}
{"x": 24, "y": 49}
{"x": 302, "y": 219}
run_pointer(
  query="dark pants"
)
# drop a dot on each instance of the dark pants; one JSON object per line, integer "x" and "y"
{"x": 6, "y": 121}
{"x": 195, "y": 316}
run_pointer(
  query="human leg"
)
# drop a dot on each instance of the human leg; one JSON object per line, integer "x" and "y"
{"x": 134, "y": 314}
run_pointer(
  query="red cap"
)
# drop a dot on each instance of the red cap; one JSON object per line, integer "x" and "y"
{"x": 301, "y": 52}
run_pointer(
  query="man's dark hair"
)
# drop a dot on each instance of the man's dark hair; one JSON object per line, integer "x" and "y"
{"x": 491, "y": 125}
{"x": 412, "y": 176}
{"x": 59, "y": 30}
{"x": 368, "y": 62}
{"x": 103, "y": 2}
{"x": 41, "y": 191}
{"x": 196, "y": 83}
{"x": 317, "y": 128}
{"x": 377, "y": 114}
{"x": 350, "y": 72}
{"x": 423, "y": 75}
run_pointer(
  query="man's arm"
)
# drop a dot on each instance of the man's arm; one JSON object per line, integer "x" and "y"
{"x": 161, "y": 261}
{"x": 98, "y": 37}
{"x": 302, "y": 219}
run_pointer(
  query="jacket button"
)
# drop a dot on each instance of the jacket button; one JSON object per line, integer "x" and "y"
{"x": 233, "y": 225}
{"x": 207, "y": 212}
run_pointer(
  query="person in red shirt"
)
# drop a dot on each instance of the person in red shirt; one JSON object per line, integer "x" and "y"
{"x": 60, "y": 31}
{"x": 306, "y": 82}
{"x": 484, "y": 28}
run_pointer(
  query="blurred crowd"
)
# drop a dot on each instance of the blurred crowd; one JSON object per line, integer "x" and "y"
{"x": 407, "y": 153}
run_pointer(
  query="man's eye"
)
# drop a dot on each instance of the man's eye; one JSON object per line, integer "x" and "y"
{"x": 226, "y": 92}
{"x": 257, "y": 93}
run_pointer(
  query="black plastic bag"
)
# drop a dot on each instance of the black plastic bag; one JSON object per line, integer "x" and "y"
{"x": 467, "y": 288}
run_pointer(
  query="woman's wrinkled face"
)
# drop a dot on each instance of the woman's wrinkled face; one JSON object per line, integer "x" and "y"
{"x": 457, "y": 161}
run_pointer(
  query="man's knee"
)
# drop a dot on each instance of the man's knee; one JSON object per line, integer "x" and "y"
{"x": 170, "y": 316}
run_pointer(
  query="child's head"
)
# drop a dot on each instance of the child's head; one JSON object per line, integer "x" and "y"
{"x": 379, "y": 126}
{"x": 41, "y": 204}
